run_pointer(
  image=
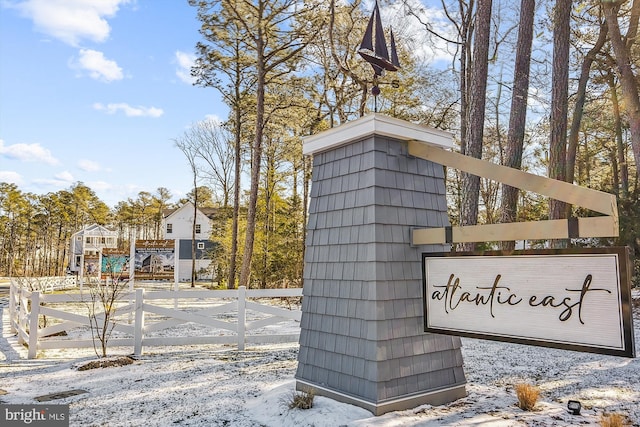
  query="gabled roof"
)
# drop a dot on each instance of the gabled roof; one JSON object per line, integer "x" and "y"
{"x": 96, "y": 230}
{"x": 208, "y": 212}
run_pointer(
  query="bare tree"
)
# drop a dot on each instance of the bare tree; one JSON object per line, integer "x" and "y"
{"x": 216, "y": 150}
{"x": 104, "y": 295}
{"x": 341, "y": 58}
{"x": 189, "y": 145}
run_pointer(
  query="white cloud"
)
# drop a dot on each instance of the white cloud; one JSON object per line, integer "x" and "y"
{"x": 185, "y": 61}
{"x": 99, "y": 186}
{"x": 98, "y": 67}
{"x": 11, "y": 176}
{"x": 71, "y": 20}
{"x": 89, "y": 165}
{"x": 60, "y": 180}
{"x": 65, "y": 176}
{"x": 27, "y": 153}
{"x": 128, "y": 110}
{"x": 213, "y": 118}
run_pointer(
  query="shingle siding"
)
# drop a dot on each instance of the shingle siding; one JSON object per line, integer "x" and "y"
{"x": 362, "y": 327}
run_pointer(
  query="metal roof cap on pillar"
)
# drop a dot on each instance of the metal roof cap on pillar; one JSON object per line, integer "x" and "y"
{"x": 378, "y": 124}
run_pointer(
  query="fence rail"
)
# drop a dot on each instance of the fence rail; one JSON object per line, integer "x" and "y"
{"x": 46, "y": 284}
{"x": 152, "y": 318}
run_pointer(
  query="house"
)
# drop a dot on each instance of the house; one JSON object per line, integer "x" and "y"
{"x": 177, "y": 225}
{"x": 86, "y": 247}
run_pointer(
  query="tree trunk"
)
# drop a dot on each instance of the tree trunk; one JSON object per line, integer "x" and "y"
{"x": 559, "y": 105}
{"x": 193, "y": 231}
{"x": 473, "y": 145}
{"x": 518, "y": 116}
{"x": 256, "y": 158}
{"x": 628, "y": 81}
{"x": 466, "y": 33}
{"x": 621, "y": 177}
{"x": 236, "y": 189}
{"x": 578, "y": 112}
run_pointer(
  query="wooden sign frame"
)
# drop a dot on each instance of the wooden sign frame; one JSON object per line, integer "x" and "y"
{"x": 598, "y": 201}
{"x": 572, "y": 299}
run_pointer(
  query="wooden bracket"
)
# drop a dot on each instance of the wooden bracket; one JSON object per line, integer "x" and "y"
{"x": 598, "y": 201}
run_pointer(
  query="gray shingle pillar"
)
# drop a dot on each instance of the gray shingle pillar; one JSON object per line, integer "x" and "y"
{"x": 362, "y": 337}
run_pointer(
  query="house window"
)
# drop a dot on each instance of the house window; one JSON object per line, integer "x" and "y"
{"x": 79, "y": 238}
{"x": 200, "y": 245}
{"x": 103, "y": 240}
{"x": 88, "y": 239}
{"x": 169, "y": 228}
{"x": 197, "y": 228}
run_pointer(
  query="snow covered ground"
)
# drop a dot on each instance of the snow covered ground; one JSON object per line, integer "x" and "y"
{"x": 220, "y": 386}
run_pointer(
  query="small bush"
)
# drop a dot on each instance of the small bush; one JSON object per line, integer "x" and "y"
{"x": 302, "y": 399}
{"x": 612, "y": 420}
{"x": 527, "y": 396}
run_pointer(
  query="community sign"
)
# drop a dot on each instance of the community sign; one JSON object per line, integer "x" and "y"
{"x": 574, "y": 299}
{"x": 115, "y": 263}
{"x": 91, "y": 264}
{"x": 154, "y": 259}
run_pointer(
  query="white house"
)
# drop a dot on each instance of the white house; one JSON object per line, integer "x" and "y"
{"x": 86, "y": 246}
{"x": 177, "y": 225}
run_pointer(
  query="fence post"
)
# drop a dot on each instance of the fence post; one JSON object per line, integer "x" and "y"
{"x": 34, "y": 316}
{"x": 242, "y": 306}
{"x": 13, "y": 319}
{"x": 138, "y": 329}
{"x": 22, "y": 314}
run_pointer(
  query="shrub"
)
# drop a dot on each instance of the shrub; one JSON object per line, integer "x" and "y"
{"x": 302, "y": 399}
{"x": 527, "y": 396}
{"x": 612, "y": 420}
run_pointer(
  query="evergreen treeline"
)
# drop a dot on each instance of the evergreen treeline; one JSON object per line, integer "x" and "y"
{"x": 550, "y": 87}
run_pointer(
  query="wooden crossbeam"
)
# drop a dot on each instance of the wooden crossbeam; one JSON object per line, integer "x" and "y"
{"x": 598, "y": 201}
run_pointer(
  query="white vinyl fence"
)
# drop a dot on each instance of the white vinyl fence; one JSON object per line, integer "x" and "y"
{"x": 155, "y": 318}
{"x": 46, "y": 284}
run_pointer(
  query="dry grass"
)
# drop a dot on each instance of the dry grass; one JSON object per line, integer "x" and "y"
{"x": 527, "y": 396}
{"x": 613, "y": 420}
{"x": 301, "y": 399}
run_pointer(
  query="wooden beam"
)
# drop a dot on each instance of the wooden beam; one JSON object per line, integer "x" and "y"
{"x": 598, "y": 201}
{"x": 595, "y": 200}
{"x": 602, "y": 226}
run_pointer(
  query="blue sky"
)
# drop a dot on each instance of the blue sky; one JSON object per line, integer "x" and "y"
{"x": 96, "y": 91}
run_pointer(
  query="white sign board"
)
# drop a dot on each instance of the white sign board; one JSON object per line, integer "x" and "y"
{"x": 571, "y": 299}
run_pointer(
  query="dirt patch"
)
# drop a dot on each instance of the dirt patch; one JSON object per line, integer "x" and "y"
{"x": 60, "y": 395}
{"x": 107, "y": 363}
